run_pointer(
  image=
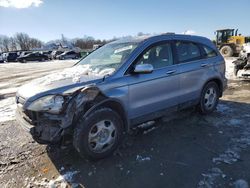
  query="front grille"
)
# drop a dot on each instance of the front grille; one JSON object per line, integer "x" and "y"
{"x": 31, "y": 115}
{"x": 28, "y": 115}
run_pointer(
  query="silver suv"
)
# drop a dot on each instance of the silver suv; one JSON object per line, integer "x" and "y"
{"x": 119, "y": 86}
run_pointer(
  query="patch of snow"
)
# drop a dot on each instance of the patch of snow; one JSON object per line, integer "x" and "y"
{"x": 61, "y": 181}
{"x": 142, "y": 159}
{"x": 7, "y": 109}
{"x": 241, "y": 184}
{"x": 149, "y": 130}
{"x": 146, "y": 125}
{"x": 230, "y": 68}
{"x": 222, "y": 108}
{"x": 210, "y": 178}
{"x": 229, "y": 157}
{"x": 68, "y": 176}
{"x": 235, "y": 122}
{"x": 8, "y": 90}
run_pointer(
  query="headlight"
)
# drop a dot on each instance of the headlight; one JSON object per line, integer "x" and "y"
{"x": 50, "y": 103}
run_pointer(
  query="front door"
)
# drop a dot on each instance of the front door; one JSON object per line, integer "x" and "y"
{"x": 154, "y": 91}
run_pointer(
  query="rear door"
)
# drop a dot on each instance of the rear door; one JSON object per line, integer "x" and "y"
{"x": 158, "y": 90}
{"x": 193, "y": 68}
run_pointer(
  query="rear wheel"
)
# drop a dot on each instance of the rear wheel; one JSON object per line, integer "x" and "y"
{"x": 209, "y": 98}
{"x": 226, "y": 51}
{"x": 99, "y": 134}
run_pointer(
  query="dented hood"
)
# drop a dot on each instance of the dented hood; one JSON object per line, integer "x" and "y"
{"x": 59, "y": 83}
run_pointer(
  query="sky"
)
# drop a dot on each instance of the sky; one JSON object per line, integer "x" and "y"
{"x": 105, "y": 19}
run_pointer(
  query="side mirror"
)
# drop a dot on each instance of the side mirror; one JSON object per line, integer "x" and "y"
{"x": 143, "y": 69}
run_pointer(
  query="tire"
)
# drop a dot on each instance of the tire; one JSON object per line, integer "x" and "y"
{"x": 209, "y": 98}
{"x": 226, "y": 51}
{"x": 24, "y": 61}
{"x": 88, "y": 136}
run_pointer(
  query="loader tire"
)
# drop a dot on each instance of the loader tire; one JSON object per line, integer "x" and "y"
{"x": 226, "y": 51}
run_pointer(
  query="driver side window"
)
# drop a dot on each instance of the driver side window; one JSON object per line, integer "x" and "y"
{"x": 158, "y": 56}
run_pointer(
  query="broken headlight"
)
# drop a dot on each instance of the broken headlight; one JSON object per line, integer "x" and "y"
{"x": 51, "y": 103}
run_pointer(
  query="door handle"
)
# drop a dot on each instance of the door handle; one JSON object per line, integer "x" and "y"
{"x": 204, "y": 65}
{"x": 171, "y": 72}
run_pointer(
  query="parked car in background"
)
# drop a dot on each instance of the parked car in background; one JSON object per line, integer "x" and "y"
{"x": 1, "y": 58}
{"x": 118, "y": 87}
{"x": 245, "y": 52}
{"x": 10, "y": 56}
{"x": 23, "y": 53}
{"x": 242, "y": 64}
{"x": 47, "y": 53}
{"x": 69, "y": 55}
{"x": 55, "y": 53}
{"x": 35, "y": 56}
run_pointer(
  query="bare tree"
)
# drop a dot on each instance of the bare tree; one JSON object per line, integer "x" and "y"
{"x": 22, "y": 40}
{"x": 12, "y": 44}
{"x": 5, "y": 43}
{"x": 34, "y": 43}
{"x": 26, "y": 43}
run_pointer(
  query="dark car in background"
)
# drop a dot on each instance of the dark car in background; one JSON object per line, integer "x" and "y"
{"x": 69, "y": 55}
{"x": 23, "y": 53}
{"x": 36, "y": 56}
{"x": 10, "y": 56}
{"x": 47, "y": 53}
{"x": 55, "y": 53}
{"x": 1, "y": 58}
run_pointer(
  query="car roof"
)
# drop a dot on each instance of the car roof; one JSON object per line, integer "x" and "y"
{"x": 166, "y": 36}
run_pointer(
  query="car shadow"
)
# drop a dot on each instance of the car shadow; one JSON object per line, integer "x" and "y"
{"x": 172, "y": 153}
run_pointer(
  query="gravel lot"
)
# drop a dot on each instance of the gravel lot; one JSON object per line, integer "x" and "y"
{"x": 184, "y": 150}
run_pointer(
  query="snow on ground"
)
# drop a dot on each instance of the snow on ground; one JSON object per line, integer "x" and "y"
{"x": 7, "y": 109}
{"x": 230, "y": 68}
{"x": 14, "y": 75}
{"x": 61, "y": 181}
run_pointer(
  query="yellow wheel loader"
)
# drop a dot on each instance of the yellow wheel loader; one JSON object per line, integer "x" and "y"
{"x": 229, "y": 42}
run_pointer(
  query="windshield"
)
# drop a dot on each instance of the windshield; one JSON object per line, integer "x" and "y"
{"x": 108, "y": 58}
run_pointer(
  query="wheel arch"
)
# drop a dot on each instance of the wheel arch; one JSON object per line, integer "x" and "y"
{"x": 218, "y": 82}
{"x": 113, "y": 104}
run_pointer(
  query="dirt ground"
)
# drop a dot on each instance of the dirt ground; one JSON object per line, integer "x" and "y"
{"x": 185, "y": 150}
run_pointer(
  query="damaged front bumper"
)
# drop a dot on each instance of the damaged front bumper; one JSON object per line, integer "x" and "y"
{"x": 244, "y": 74}
{"x": 43, "y": 131}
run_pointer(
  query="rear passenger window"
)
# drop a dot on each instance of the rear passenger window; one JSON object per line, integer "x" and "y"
{"x": 187, "y": 51}
{"x": 209, "y": 52}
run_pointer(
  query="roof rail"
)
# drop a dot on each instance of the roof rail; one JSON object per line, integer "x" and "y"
{"x": 168, "y": 33}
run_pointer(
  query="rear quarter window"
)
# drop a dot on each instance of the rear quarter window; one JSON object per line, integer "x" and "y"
{"x": 209, "y": 52}
{"x": 187, "y": 51}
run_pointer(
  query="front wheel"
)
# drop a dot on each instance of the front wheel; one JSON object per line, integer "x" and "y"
{"x": 209, "y": 98}
{"x": 99, "y": 134}
{"x": 226, "y": 51}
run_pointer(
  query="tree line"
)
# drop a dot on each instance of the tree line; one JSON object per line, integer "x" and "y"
{"x": 20, "y": 41}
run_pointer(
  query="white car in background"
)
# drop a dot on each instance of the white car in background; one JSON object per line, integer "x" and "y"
{"x": 242, "y": 64}
{"x": 245, "y": 52}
